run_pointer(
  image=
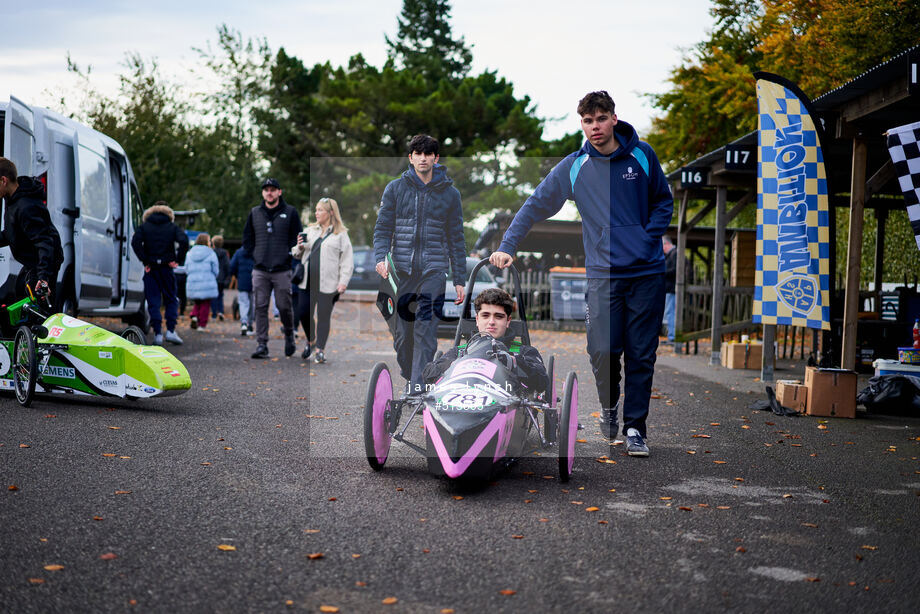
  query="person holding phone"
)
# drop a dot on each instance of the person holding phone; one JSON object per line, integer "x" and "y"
{"x": 326, "y": 254}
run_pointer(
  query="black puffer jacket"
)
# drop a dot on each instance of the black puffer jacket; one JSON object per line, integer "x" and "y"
{"x": 422, "y": 225}
{"x": 28, "y": 230}
{"x": 155, "y": 240}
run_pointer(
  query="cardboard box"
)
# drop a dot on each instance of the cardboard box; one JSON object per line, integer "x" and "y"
{"x": 792, "y": 393}
{"x": 742, "y": 355}
{"x": 831, "y": 392}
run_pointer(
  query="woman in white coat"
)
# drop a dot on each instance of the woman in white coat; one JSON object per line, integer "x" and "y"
{"x": 325, "y": 251}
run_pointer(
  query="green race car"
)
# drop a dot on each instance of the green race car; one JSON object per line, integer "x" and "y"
{"x": 62, "y": 354}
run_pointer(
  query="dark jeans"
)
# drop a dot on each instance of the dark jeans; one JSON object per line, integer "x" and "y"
{"x": 420, "y": 296}
{"x": 322, "y": 303}
{"x": 623, "y": 319}
{"x": 263, "y": 283}
{"x": 217, "y": 303}
{"x": 160, "y": 285}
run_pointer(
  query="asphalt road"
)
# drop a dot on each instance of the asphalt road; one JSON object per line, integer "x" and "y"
{"x": 735, "y": 510}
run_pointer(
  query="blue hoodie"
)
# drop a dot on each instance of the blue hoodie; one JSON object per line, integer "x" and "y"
{"x": 624, "y": 201}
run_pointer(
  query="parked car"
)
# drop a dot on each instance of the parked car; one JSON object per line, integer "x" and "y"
{"x": 93, "y": 202}
{"x": 484, "y": 279}
{"x": 365, "y": 275}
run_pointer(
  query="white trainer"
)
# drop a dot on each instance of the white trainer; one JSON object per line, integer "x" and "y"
{"x": 172, "y": 337}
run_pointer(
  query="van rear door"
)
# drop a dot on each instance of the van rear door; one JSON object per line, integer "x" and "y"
{"x": 19, "y": 147}
{"x": 19, "y": 136}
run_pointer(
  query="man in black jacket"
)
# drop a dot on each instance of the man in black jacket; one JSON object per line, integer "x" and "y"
{"x": 33, "y": 239}
{"x": 155, "y": 242}
{"x": 420, "y": 222}
{"x": 270, "y": 233}
{"x": 493, "y": 315}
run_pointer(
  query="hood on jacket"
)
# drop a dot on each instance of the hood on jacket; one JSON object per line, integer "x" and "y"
{"x": 165, "y": 210}
{"x": 29, "y": 187}
{"x": 198, "y": 253}
{"x": 439, "y": 179}
{"x": 625, "y": 135}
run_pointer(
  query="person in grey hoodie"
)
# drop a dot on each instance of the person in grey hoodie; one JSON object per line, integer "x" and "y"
{"x": 201, "y": 286}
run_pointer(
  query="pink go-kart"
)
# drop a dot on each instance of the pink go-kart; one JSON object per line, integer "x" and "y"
{"x": 477, "y": 418}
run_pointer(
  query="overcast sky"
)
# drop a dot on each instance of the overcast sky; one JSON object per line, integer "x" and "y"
{"x": 552, "y": 51}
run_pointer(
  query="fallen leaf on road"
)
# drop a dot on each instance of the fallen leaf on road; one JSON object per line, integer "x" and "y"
{"x": 739, "y": 479}
{"x": 311, "y": 530}
{"x": 122, "y": 492}
{"x": 787, "y": 496}
{"x": 577, "y": 502}
{"x": 869, "y": 547}
{"x": 109, "y": 455}
{"x": 665, "y": 498}
{"x": 114, "y": 428}
{"x": 331, "y": 499}
{"x": 36, "y": 580}
{"x": 108, "y": 556}
{"x": 601, "y": 522}
{"x": 544, "y": 519}
{"x": 315, "y": 555}
{"x": 24, "y": 445}
{"x": 54, "y": 567}
{"x": 389, "y": 600}
{"x": 226, "y": 548}
{"x": 356, "y": 556}
{"x": 691, "y": 451}
{"x": 457, "y": 497}
{"x": 328, "y": 609}
{"x": 686, "y": 509}
{"x": 522, "y": 537}
{"x": 592, "y": 509}
{"x": 719, "y": 462}
{"x": 812, "y": 579}
{"x": 741, "y": 549}
{"x": 507, "y": 592}
{"x": 810, "y": 524}
{"x": 360, "y": 583}
{"x": 715, "y": 424}
{"x": 97, "y": 518}
{"x": 723, "y": 507}
{"x": 700, "y": 436}
{"x": 13, "y": 487}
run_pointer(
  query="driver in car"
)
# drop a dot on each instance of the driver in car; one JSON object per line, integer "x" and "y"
{"x": 493, "y": 315}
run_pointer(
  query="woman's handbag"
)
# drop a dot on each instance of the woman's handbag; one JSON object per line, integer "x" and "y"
{"x": 297, "y": 275}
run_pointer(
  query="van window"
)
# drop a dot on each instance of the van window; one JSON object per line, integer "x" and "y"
{"x": 93, "y": 189}
{"x": 137, "y": 209}
{"x": 21, "y": 150}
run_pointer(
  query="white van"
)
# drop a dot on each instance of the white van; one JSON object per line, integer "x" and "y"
{"x": 93, "y": 202}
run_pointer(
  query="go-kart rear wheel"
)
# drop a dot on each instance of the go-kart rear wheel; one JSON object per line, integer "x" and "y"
{"x": 135, "y": 335}
{"x": 25, "y": 365}
{"x": 568, "y": 426}
{"x": 377, "y": 436}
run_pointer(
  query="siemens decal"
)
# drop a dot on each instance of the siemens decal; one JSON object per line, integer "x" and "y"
{"x": 793, "y": 209}
{"x": 59, "y": 372}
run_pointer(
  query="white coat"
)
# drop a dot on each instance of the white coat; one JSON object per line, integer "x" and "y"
{"x": 336, "y": 261}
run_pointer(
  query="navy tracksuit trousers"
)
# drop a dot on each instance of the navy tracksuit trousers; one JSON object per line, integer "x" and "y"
{"x": 419, "y": 299}
{"x": 623, "y": 319}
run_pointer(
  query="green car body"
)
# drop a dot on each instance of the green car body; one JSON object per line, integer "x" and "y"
{"x": 87, "y": 359}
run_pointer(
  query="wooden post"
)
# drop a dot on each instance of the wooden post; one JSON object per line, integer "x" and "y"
{"x": 854, "y": 253}
{"x": 881, "y": 215}
{"x": 718, "y": 269}
{"x": 768, "y": 354}
{"x": 681, "y": 281}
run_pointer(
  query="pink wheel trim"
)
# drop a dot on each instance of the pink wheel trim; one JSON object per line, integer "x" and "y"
{"x": 383, "y": 392}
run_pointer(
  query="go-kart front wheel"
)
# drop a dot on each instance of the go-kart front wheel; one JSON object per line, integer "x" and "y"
{"x": 568, "y": 426}
{"x": 135, "y": 335}
{"x": 25, "y": 365}
{"x": 377, "y": 436}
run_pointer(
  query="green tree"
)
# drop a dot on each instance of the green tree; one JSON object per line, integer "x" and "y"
{"x": 425, "y": 44}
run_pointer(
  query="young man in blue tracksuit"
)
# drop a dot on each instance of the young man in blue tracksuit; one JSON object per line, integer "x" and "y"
{"x": 626, "y": 205}
{"x": 420, "y": 223}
